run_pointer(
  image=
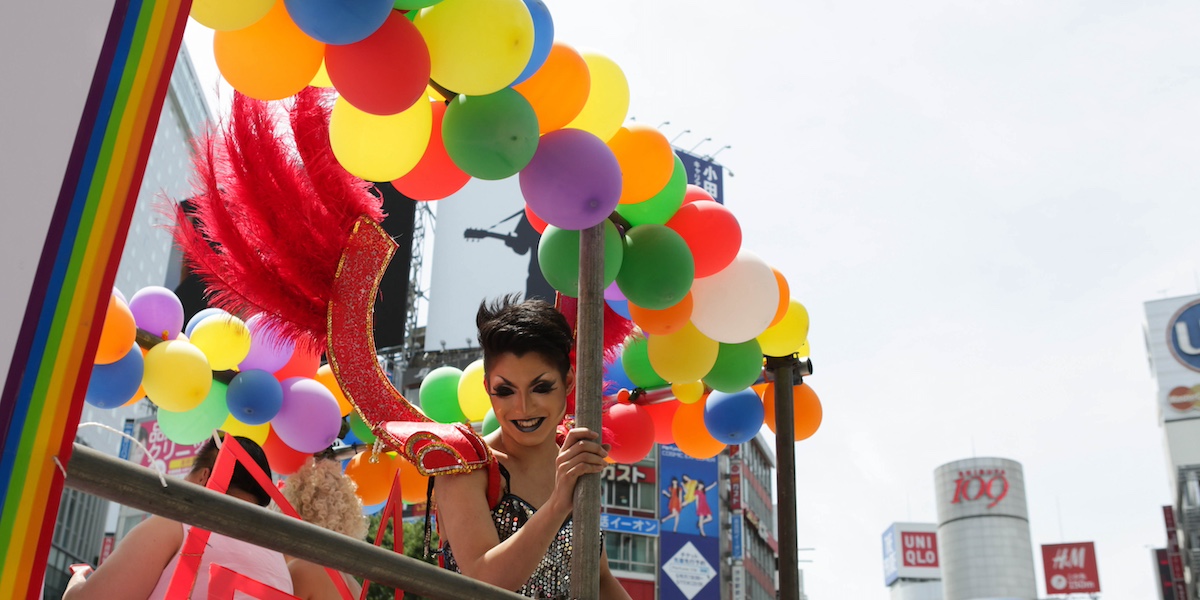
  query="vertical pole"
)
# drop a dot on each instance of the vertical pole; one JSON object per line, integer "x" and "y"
{"x": 785, "y": 449}
{"x": 585, "y": 560}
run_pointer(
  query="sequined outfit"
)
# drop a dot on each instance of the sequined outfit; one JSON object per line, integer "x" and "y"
{"x": 552, "y": 577}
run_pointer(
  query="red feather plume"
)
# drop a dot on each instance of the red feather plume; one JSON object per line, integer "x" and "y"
{"x": 271, "y": 214}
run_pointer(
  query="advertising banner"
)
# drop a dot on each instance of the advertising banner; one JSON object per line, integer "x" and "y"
{"x": 735, "y": 484}
{"x": 690, "y": 567}
{"x": 484, "y": 247}
{"x": 1173, "y": 340}
{"x": 164, "y": 455}
{"x": 624, "y": 524}
{"x": 705, "y": 174}
{"x": 910, "y": 551}
{"x": 688, "y": 498}
{"x": 1070, "y": 568}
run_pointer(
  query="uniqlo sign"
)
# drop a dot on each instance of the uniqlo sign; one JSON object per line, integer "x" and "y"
{"x": 919, "y": 549}
{"x": 1070, "y": 568}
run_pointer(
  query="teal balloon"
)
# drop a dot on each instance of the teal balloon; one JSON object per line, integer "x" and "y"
{"x": 558, "y": 257}
{"x": 636, "y": 360}
{"x": 439, "y": 395}
{"x": 657, "y": 269}
{"x": 490, "y": 137}
{"x": 490, "y": 423}
{"x": 663, "y": 205}
{"x": 361, "y": 429}
{"x": 738, "y": 366}
{"x": 196, "y": 425}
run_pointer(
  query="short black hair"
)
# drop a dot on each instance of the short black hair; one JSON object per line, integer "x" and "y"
{"x": 241, "y": 479}
{"x": 520, "y": 327}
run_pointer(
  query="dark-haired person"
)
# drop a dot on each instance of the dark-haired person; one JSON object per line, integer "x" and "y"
{"x": 143, "y": 563}
{"x": 524, "y": 541}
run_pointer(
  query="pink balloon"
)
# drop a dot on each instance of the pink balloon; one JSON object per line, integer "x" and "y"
{"x": 309, "y": 419}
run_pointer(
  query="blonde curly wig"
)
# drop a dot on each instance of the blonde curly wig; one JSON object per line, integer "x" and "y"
{"x": 324, "y": 496}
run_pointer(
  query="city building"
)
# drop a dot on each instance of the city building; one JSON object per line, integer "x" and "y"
{"x": 911, "y": 562}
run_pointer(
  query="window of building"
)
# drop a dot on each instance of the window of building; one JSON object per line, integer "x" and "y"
{"x": 634, "y": 487}
{"x": 630, "y": 552}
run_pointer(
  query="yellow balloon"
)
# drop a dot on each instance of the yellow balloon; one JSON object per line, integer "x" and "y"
{"x": 230, "y": 15}
{"x": 608, "y": 98}
{"x": 326, "y": 378}
{"x": 379, "y": 148}
{"x": 782, "y": 338}
{"x": 803, "y": 351}
{"x": 683, "y": 356}
{"x": 321, "y": 79}
{"x": 472, "y": 396}
{"x": 224, "y": 340}
{"x": 177, "y": 376}
{"x": 258, "y": 433}
{"x": 476, "y": 47}
{"x": 688, "y": 393}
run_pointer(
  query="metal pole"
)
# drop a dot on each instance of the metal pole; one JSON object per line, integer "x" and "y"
{"x": 585, "y": 561}
{"x": 785, "y": 473}
{"x": 137, "y": 487}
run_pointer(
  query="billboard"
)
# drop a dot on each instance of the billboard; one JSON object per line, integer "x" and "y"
{"x": 1070, "y": 568}
{"x": 703, "y": 173}
{"x": 1173, "y": 341}
{"x": 483, "y": 247}
{"x": 688, "y": 498}
{"x": 162, "y": 454}
{"x": 690, "y": 568}
{"x": 910, "y": 551}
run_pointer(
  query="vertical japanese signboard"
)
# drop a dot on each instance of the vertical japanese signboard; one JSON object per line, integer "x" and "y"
{"x": 705, "y": 174}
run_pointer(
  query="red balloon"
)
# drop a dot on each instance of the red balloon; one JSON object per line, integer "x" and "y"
{"x": 303, "y": 363}
{"x": 284, "y": 459}
{"x": 712, "y": 234}
{"x": 435, "y": 176}
{"x": 663, "y": 416}
{"x": 385, "y": 73}
{"x": 632, "y": 432}
{"x": 538, "y": 223}
{"x": 696, "y": 193}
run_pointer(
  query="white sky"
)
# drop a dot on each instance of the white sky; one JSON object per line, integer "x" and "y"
{"x": 973, "y": 199}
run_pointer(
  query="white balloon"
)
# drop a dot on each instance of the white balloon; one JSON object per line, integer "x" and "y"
{"x": 737, "y": 303}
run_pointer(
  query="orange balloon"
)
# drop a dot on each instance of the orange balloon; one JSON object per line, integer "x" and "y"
{"x": 646, "y": 161}
{"x": 117, "y": 333}
{"x": 559, "y": 89}
{"x": 691, "y": 435}
{"x": 325, "y": 376}
{"x": 665, "y": 321}
{"x": 785, "y": 297}
{"x": 414, "y": 487}
{"x": 806, "y": 408}
{"x": 269, "y": 60}
{"x": 374, "y": 479}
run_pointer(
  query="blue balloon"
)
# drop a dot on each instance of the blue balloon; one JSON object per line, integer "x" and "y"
{"x": 115, "y": 384}
{"x": 339, "y": 22}
{"x": 734, "y": 418}
{"x": 254, "y": 397}
{"x": 621, "y": 307}
{"x": 351, "y": 438}
{"x": 614, "y": 374}
{"x": 374, "y": 508}
{"x": 543, "y": 38}
{"x": 200, "y": 316}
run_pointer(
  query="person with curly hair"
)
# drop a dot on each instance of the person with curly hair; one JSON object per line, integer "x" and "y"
{"x": 323, "y": 495}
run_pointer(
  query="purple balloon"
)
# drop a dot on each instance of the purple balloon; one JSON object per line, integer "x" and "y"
{"x": 309, "y": 420}
{"x": 157, "y": 310}
{"x": 268, "y": 350}
{"x": 612, "y": 292}
{"x": 573, "y": 181}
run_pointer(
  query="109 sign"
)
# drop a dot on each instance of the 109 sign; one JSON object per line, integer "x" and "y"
{"x": 981, "y": 484}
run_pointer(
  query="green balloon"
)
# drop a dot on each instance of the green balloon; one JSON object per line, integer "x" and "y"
{"x": 738, "y": 366}
{"x": 413, "y": 5}
{"x": 657, "y": 270}
{"x": 439, "y": 395}
{"x": 636, "y": 360}
{"x": 663, "y": 205}
{"x": 490, "y": 423}
{"x": 492, "y": 136}
{"x": 196, "y": 425}
{"x": 361, "y": 429}
{"x": 558, "y": 257}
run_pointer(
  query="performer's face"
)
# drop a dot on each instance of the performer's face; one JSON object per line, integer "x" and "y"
{"x": 529, "y": 397}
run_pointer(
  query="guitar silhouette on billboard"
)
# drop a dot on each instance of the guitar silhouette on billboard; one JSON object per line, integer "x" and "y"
{"x": 522, "y": 240}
